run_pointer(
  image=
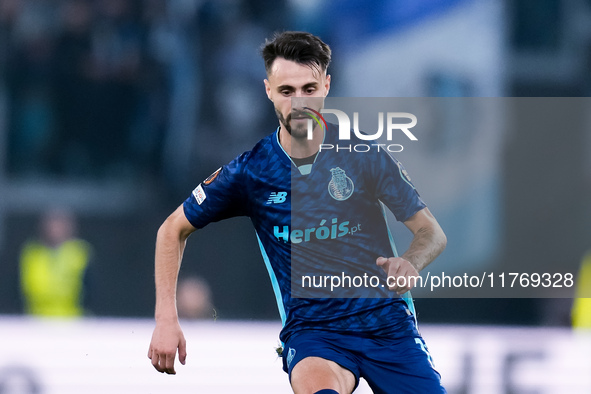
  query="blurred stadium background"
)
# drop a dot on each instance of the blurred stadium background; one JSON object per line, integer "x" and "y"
{"x": 117, "y": 109}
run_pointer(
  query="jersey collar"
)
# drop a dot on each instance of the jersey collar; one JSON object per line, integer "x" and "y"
{"x": 283, "y": 154}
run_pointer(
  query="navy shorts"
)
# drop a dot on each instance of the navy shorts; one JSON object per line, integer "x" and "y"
{"x": 389, "y": 365}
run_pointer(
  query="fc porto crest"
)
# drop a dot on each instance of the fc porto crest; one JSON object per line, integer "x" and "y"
{"x": 340, "y": 186}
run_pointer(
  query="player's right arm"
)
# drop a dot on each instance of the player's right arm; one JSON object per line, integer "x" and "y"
{"x": 168, "y": 336}
{"x": 219, "y": 197}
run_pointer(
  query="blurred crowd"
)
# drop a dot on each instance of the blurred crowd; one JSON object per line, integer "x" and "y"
{"x": 107, "y": 88}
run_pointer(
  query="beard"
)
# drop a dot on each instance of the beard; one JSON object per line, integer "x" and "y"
{"x": 296, "y": 123}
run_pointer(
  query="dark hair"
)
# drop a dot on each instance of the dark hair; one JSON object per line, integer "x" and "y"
{"x": 297, "y": 46}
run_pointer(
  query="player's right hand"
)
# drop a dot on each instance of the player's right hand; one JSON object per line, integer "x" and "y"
{"x": 166, "y": 339}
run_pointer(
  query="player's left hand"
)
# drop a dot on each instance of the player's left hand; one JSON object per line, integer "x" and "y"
{"x": 399, "y": 272}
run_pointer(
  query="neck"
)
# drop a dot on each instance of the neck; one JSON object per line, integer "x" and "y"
{"x": 300, "y": 148}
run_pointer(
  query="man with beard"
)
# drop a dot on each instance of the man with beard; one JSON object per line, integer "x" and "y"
{"x": 315, "y": 212}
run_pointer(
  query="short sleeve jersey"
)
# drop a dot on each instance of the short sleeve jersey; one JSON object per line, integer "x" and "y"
{"x": 317, "y": 229}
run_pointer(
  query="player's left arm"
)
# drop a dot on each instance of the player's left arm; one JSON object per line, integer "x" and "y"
{"x": 428, "y": 242}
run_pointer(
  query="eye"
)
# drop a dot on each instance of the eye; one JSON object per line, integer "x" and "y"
{"x": 286, "y": 92}
{"x": 310, "y": 90}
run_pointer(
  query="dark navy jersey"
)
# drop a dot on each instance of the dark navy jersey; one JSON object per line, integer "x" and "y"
{"x": 317, "y": 229}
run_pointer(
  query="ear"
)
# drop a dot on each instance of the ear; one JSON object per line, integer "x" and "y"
{"x": 327, "y": 84}
{"x": 267, "y": 88}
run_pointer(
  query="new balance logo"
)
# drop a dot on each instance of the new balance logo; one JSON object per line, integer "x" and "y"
{"x": 277, "y": 197}
{"x": 290, "y": 355}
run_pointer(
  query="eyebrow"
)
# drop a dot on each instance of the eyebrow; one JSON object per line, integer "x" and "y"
{"x": 291, "y": 88}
